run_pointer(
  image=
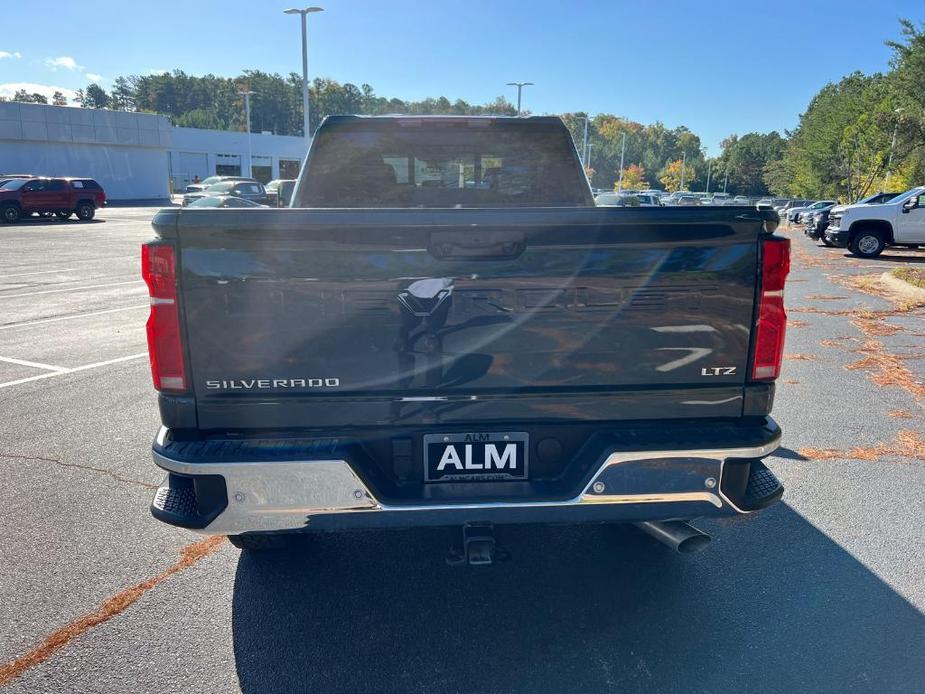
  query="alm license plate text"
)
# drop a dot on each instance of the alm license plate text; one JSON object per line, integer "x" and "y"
{"x": 475, "y": 457}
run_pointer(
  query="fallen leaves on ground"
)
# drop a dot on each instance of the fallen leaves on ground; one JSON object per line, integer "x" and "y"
{"x": 875, "y": 327}
{"x": 901, "y": 414}
{"x": 907, "y": 444}
{"x": 886, "y": 369}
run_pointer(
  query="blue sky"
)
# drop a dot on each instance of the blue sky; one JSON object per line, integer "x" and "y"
{"x": 719, "y": 68}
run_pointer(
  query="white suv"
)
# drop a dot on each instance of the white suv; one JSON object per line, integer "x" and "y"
{"x": 866, "y": 230}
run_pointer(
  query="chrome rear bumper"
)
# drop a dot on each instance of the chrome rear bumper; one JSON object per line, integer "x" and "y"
{"x": 271, "y": 496}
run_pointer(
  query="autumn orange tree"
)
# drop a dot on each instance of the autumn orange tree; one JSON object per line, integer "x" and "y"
{"x": 634, "y": 178}
{"x": 670, "y": 176}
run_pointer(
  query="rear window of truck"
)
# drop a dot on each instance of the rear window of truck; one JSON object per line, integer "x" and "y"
{"x": 456, "y": 163}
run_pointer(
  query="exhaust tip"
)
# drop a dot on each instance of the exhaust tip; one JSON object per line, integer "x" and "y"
{"x": 680, "y": 536}
{"x": 697, "y": 543}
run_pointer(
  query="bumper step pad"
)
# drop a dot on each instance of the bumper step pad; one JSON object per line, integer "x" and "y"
{"x": 178, "y": 502}
{"x": 763, "y": 488}
{"x": 189, "y": 502}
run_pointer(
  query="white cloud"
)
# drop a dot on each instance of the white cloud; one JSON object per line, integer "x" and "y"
{"x": 8, "y": 89}
{"x": 93, "y": 77}
{"x": 157, "y": 71}
{"x": 7, "y": 54}
{"x": 65, "y": 61}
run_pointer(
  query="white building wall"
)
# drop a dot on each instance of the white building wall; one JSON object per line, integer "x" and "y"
{"x": 125, "y": 173}
{"x": 134, "y": 156}
{"x": 216, "y": 142}
{"x": 125, "y": 152}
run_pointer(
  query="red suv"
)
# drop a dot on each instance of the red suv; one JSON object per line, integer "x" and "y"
{"x": 61, "y": 196}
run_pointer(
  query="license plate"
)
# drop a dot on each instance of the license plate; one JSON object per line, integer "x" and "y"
{"x": 475, "y": 457}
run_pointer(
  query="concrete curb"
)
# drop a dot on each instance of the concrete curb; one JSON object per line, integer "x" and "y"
{"x": 899, "y": 286}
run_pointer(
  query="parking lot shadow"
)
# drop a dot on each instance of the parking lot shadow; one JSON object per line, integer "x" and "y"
{"x": 773, "y": 605}
{"x": 887, "y": 257}
{"x": 789, "y": 454}
{"x": 46, "y": 221}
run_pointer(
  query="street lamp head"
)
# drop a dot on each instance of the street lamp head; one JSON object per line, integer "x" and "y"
{"x": 306, "y": 127}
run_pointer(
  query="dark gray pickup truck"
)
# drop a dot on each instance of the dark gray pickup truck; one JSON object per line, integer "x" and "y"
{"x": 444, "y": 330}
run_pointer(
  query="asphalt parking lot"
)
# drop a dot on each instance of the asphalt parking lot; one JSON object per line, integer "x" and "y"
{"x": 823, "y": 593}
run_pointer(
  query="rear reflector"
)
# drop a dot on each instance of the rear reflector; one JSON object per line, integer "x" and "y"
{"x": 772, "y": 319}
{"x": 158, "y": 268}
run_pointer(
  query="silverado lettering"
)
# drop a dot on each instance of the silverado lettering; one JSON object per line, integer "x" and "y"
{"x": 267, "y": 383}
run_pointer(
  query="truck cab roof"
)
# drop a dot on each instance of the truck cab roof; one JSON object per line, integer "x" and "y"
{"x": 441, "y": 162}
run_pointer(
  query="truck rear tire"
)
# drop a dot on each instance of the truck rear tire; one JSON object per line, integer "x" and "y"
{"x": 85, "y": 211}
{"x": 261, "y": 542}
{"x": 10, "y": 213}
{"x": 867, "y": 243}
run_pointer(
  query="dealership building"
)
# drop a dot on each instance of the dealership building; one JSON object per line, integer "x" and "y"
{"x": 135, "y": 156}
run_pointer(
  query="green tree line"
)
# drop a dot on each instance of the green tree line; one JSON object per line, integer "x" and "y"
{"x": 842, "y": 146}
{"x": 862, "y": 134}
{"x": 216, "y": 102}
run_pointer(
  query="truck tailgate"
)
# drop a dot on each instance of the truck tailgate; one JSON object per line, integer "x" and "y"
{"x": 301, "y": 318}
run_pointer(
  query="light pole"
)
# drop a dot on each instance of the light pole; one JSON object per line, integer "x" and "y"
{"x": 306, "y": 127}
{"x": 584, "y": 145}
{"x": 726, "y": 178}
{"x": 683, "y": 166}
{"x": 889, "y": 164}
{"x": 622, "y": 152}
{"x": 709, "y": 172}
{"x": 247, "y": 111}
{"x": 520, "y": 86}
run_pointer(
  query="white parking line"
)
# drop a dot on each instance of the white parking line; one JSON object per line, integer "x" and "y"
{"x": 70, "y": 289}
{"x": 43, "y": 272}
{"x": 26, "y": 324}
{"x": 85, "y": 367}
{"x": 33, "y": 364}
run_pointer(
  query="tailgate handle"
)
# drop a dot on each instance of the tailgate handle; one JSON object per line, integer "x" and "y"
{"x": 476, "y": 243}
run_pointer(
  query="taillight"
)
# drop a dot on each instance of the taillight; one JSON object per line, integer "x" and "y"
{"x": 158, "y": 268}
{"x": 772, "y": 319}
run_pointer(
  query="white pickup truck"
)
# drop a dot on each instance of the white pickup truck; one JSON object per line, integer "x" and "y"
{"x": 866, "y": 230}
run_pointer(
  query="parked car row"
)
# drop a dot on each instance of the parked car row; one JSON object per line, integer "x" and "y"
{"x": 277, "y": 193}
{"x": 815, "y": 223}
{"x": 23, "y": 195}
{"x": 627, "y": 199}
{"x": 682, "y": 198}
{"x": 687, "y": 198}
{"x": 199, "y": 186}
{"x": 794, "y": 213}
